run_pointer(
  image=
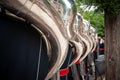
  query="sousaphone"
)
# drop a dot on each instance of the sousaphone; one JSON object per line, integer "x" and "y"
{"x": 93, "y": 34}
{"x": 83, "y": 37}
{"x": 85, "y": 34}
{"x": 43, "y": 16}
{"x": 67, "y": 10}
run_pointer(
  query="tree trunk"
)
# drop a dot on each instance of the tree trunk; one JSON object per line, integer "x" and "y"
{"x": 112, "y": 47}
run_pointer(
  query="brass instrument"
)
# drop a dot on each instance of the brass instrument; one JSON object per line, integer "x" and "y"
{"x": 60, "y": 25}
{"x": 83, "y": 37}
{"x": 41, "y": 14}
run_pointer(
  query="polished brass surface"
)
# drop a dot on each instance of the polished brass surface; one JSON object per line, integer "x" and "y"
{"x": 60, "y": 24}
{"x": 41, "y": 14}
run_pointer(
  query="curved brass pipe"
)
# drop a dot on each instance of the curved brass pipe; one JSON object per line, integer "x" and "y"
{"x": 94, "y": 37}
{"x": 86, "y": 30}
{"x": 77, "y": 41}
{"x": 67, "y": 10}
{"x": 41, "y": 14}
{"x": 82, "y": 36}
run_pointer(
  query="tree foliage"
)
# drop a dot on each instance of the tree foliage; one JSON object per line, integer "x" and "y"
{"x": 109, "y": 7}
{"x": 112, "y": 7}
{"x": 96, "y": 20}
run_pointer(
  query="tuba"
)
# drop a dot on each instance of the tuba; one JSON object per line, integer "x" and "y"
{"x": 93, "y": 34}
{"x": 44, "y": 18}
{"x": 67, "y": 10}
{"x": 83, "y": 37}
{"x": 86, "y": 37}
{"x": 77, "y": 40}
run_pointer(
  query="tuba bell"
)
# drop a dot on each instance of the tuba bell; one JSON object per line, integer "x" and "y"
{"x": 83, "y": 37}
{"x": 43, "y": 16}
{"x": 67, "y": 10}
